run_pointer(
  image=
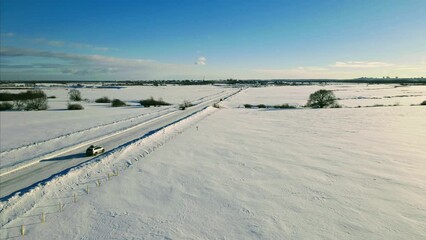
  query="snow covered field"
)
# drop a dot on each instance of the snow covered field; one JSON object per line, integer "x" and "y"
{"x": 233, "y": 173}
{"x": 24, "y": 128}
{"x": 350, "y": 95}
{"x": 27, "y": 135}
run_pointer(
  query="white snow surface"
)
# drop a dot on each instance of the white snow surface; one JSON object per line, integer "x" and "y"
{"x": 233, "y": 173}
{"x": 349, "y": 95}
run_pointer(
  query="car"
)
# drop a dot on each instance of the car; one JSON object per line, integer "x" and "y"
{"x": 94, "y": 150}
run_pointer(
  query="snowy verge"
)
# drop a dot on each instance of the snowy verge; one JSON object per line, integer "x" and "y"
{"x": 100, "y": 169}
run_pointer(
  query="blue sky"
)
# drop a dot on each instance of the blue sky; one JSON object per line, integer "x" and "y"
{"x": 118, "y": 40}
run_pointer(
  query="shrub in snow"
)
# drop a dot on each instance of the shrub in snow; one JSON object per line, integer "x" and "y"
{"x": 19, "y": 105}
{"x": 117, "y": 103}
{"x": 51, "y": 97}
{"x": 75, "y": 106}
{"x": 248, "y": 106}
{"x": 336, "y": 105}
{"x": 261, "y": 106}
{"x": 423, "y": 103}
{"x": 30, "y": 94}
{"x": 36, "y": 104}
{"x": 6, "y": 96}
{"x": 216, "y": 105}
{"x": 129, "y": 163}
{"x": 6, "y": 106}
{"x": 29, "y": 100}
{"x": 75, "y": 95}
{"x": 284, "y": 106}
{"x": 152, "y": 102}
{"x": 103, "y": 100}
{"x": 321, "y": 99}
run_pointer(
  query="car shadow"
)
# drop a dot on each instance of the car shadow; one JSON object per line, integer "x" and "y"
{"x": 77, "y": 155}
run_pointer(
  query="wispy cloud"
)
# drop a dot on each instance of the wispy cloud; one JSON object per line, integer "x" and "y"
{"x": 50, "y": 43}
{"x": 300, "y": 72}
{"x": 349, "y": 69}
{"x": 56, "y": 43}
{"x": 95, "y": 65}
{"x": 61, "y": 65}
{"x": 308, "y": 69}
{"x": 89, "y": 71}
{"x": 9, "y": 34}
{"x": 361, "y": 64}
{"x": 29, "y": 66}
{"x": 89, "y": 46}
{"x": 201, "y": 61}
{"x": 21, "y": 52}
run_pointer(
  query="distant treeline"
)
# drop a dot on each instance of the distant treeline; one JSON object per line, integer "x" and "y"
{"x": 276, "y": 82}
{"x": 257, "y": 82}
{"x": 261, "y": 82}
{"x": 34, "y": 94}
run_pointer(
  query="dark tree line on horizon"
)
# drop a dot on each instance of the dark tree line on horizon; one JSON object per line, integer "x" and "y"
{"x": 230, "y": 81}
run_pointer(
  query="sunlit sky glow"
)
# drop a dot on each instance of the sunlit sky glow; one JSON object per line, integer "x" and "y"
{"x": 129, "y": 40}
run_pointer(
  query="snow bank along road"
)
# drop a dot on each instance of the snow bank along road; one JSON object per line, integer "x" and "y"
{"x": 24, "y": 178}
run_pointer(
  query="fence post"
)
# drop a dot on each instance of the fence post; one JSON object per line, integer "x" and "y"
{"x": 87, "y": 189}
{"x": 22, "y": 231}
{"x": 98, "y": 183}
{"x": 61, "y": 207}
{"x": 75, "y": 198}
{"x": 43, "y": 218}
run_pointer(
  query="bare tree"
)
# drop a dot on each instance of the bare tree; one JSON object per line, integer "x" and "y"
{"x": 75, "y": 95}
{"x": 36, "y": 104}
{"x": 321, "y": 99}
